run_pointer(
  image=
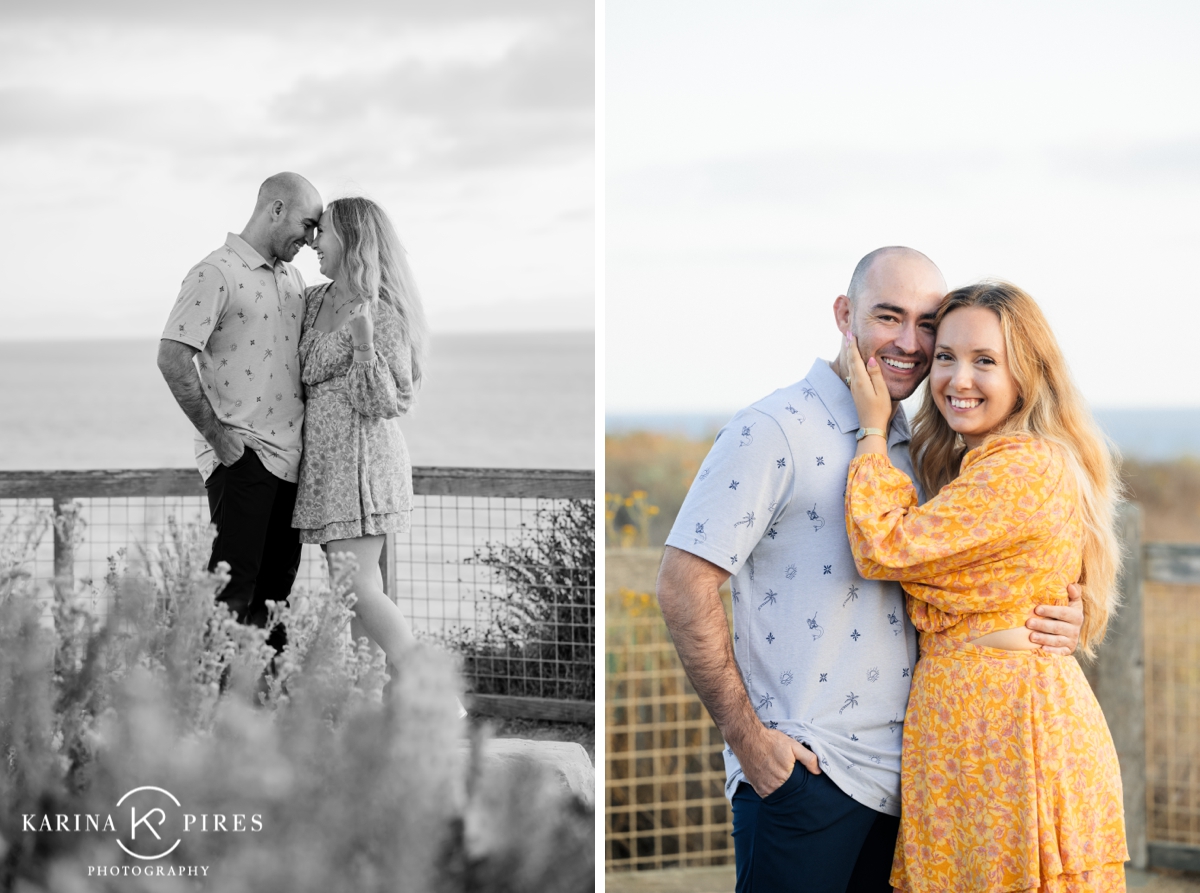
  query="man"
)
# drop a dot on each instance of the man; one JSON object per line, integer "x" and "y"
{"x": 810, "y": 695}
{"x": 240, "y": 311}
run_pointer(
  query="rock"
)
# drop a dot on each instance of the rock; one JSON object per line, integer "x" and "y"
{"x": 567, "y": 760}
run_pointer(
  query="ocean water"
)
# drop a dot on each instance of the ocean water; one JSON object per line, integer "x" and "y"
{"x": 499, "y": 401}
{"x": 512, "y": 400}
{"x": 1153, "y": 435}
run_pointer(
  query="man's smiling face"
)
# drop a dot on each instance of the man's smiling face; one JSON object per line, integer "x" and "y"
{"x": 892, "y": 318}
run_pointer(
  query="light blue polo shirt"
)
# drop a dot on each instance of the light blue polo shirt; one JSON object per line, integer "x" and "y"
{"x": 826, "y": 656}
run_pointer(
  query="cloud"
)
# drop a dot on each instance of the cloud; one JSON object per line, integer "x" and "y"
{"x": 533, "y": 103}
{"x": 219, "y": 14}
{"x": 1165, "y": 162}
{"x": 526, "y": 98}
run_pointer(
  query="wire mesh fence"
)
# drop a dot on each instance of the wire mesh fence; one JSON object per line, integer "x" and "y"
{"x": 665, "y": 803}
{"x": 498, "y": 564}
{"x": 1172, "y": 623}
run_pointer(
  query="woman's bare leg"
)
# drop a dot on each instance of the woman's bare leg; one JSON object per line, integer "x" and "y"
{"x": 374, "y": 613}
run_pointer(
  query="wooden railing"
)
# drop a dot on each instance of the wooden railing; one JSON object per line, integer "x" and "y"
{"x": 1118, "y": 677}
{"x": 63, "y": 487}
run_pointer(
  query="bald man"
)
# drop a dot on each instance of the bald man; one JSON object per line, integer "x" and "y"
{"x": 229, "y": 353}
{"x": 811, "y": 692}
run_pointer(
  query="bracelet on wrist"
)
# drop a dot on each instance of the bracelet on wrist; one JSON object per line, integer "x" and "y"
{"x": 366, "y": 346}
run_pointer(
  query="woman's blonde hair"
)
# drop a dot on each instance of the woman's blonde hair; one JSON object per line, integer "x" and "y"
{"x": 374, "y": 265}
{"x": 1048, "y": 407}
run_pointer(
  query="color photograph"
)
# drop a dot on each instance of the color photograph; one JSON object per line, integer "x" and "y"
{"x": 902, "y": 447}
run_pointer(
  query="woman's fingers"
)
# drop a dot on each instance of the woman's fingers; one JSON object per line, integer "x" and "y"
{"x": 868, "y": 387}
{"x": 859, "y": 380}
{"x": 878, "y": 385}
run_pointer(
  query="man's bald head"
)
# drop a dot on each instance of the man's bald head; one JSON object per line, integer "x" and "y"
{"x": 890, "y": 307}
{"x": 286, "y": 187}
{"x": 884, "y": 262}
{"x": 285, "y": 216}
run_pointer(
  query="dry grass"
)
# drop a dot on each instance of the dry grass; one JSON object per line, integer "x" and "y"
{"x": 354, "y": 789}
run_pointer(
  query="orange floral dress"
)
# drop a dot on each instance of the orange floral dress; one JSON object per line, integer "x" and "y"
{"x": 1009, "y": 780}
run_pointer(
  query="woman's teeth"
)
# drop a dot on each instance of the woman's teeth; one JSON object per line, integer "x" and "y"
{"x": 964, "y": 404}
{"x": 897, "y": 364}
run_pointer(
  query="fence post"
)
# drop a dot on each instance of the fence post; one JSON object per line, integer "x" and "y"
{"x": 65, "y": 512}
{"x": 387, "y": 565}
{"x": 1119, "y": 682}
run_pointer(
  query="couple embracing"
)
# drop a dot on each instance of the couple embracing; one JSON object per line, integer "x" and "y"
{"x": 295, "y": 392}
{"x": 856, "y": 758}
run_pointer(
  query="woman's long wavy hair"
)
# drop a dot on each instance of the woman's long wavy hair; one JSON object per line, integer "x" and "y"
{"x": 374, "y": 265}
{"x": 1048, "y": 407}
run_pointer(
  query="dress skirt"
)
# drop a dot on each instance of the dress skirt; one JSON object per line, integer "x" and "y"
{"x": 1009, "y": 777}
{"x": 355, "y": 474}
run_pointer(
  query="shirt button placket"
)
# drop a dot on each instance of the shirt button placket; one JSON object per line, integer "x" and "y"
{"x": 281, "y": 283}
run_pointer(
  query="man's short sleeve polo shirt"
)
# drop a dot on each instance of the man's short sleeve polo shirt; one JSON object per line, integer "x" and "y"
{"x": 244, "y": 315}
{"x": 826, "y": 656}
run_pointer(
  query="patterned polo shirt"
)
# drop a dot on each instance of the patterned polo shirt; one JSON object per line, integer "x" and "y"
{"x": 244, "y": 316}
{"x": 826, "y": 656}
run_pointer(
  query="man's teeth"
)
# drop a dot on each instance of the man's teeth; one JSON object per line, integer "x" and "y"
{"x": 897, "y": 364}
{"x": 964, "y": 404}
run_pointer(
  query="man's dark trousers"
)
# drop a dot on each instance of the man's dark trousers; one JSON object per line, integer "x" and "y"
{"x": 252, "y": 511}
{"x": 810, "y": 837}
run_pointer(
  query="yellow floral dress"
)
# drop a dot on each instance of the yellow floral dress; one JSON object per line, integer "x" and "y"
{"x": 1009, "y": 780}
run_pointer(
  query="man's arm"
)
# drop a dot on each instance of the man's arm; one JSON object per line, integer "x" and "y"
{"x": 1056, "y": 628}
{"x": 691, "y": 606}
{"x": 175, "y": 364}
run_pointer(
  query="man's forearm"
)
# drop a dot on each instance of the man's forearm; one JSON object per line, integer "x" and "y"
{"x": 694, "y": 614}
{"x": 177, "y": 369}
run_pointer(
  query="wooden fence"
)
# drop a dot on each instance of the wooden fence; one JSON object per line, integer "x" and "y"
{"x": 664, "y": 801}
{"x": 1147, "y": 679}
{"x": 63, "y": 488}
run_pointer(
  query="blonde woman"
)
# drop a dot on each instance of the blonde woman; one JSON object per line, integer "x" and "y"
{"x": 362, "y": 353}
{"x": 1009, "y": 778}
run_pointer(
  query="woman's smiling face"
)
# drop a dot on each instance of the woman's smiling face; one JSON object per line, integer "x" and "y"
{"x": 328, "y": 247}
{"x": 970, "y": 379}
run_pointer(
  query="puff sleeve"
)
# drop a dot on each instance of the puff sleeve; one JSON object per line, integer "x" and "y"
{"x": 383, "y": 386}
{"x": 986, "y": 515}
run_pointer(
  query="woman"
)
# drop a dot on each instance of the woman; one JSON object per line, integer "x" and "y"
{"x": 362, "y": 352}
{"x": 1009, "y": 778}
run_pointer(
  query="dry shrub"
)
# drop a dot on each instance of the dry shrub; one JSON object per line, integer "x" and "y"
{"x": 1169, "y": 493}
{"x": 662, "y": 465}
{"x": 355, "y": 790}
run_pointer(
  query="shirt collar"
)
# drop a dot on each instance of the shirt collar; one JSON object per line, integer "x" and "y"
{"x": 835, "y": 394}
{"x": 249, "y": 256}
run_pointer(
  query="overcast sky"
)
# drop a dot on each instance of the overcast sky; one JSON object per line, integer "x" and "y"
{"x": 755, "y": 151}
{"x": 134, "y": 135}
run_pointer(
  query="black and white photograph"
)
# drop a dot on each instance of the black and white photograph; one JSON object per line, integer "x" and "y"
{"x": 297, "y": 446}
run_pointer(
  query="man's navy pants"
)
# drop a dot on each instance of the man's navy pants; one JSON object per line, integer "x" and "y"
{"x": 809, "y": 837}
